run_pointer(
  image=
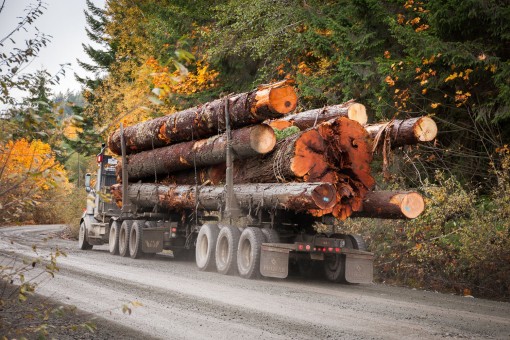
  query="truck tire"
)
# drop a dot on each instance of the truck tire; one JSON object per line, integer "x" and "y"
{"x": 83, "y": 243}
{"x": 206, "y": 247}
{"x": 226, "y": 250}
{"x": 248, "y": 253}
{"x": 270, "y": 235}
{"x": 113, "y": 239}
{"x": 357, "y": 242}
{"x": 135, "y": 239}
{"x": 334, "y": 264}
{"x": 124, "y": 231}
{"x": 334, "y": 267}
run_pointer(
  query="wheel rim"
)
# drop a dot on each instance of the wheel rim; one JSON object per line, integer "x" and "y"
{"x": 246, "y": 254}
{"x": 222, "y": 254}
{"x": 132, "y": 240}
{"x": 122, "y": 239}
{"x": 202, "y": 249}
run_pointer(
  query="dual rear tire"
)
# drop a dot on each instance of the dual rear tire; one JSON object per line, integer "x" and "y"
{"x": 126, "y": 239}
{"x": 228, "y": 250}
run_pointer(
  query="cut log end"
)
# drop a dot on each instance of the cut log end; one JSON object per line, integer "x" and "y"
{"x": 425, "y": 129}
{"x": 282, "y": 99}
{"x": 324, "y": 196}
{"x": 358, "y": 113}
{"x": 262, "y": 139}
{"x": 411, "y": 204}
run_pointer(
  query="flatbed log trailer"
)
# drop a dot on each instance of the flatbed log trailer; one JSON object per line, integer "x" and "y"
{"x": 252, "y": 240}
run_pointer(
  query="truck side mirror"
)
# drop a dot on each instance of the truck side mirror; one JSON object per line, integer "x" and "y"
{"x": 87, "y": 182}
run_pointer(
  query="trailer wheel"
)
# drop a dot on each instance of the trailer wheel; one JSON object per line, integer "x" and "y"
{"x": 248, "y": 253}
{"x": 113, "y": 239}
{"x": 226, "y": 250}
{"x": 206, "y": 247}
{"x": 125, "y": 228}
{"x": 82, "y": 238}
{"x": 135, "y": 239}
{"x": 334, "y": 265}
{"x": 270, "y": 235}
{"x": 357, "y": 242}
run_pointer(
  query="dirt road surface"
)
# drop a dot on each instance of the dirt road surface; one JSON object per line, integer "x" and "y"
{"x": 179, "y": 302}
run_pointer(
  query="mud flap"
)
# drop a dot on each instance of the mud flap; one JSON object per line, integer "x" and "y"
{"x": 359, "y": 268}
{"x": 274, "y": 261}
{"x": 153, "y": 240}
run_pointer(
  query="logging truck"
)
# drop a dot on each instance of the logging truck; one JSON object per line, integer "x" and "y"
{"x": 244, "y": 229}
{"x": 177, "y": 187}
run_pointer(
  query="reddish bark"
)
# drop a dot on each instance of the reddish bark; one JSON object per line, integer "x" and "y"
{"x": 267, "y": 102}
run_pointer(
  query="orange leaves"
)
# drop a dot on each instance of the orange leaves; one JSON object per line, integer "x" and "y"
{"x": 303, "y": 68}
{"x": 389, "y": 80}
{"x": 29, "y": 173}
{"x": 34, "y": 161}
{"x": 461, "y": 98}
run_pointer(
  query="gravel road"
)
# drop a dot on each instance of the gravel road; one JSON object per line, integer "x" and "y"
{"x": 179, "y": 302}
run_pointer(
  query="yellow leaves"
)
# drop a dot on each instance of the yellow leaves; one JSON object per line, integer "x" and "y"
{"x": 324, "y": 32}
{"x": 462, "y": 75}
{"x": 166, "y": 82}
{"x": 434, "y": 105}
{"x": 29, "y": 173}
{"x": 304, "y": 69}
{"x": 492, "y": 68}
{"x": 467, "y": 72}
{"x": 452, "y": 76}
{"x": 70, "y": 129}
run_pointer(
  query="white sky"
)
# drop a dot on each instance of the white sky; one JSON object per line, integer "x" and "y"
{"x": 64, "y": 20}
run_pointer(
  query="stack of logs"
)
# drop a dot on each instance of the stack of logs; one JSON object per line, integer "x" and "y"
{"x": 324, "y": 168}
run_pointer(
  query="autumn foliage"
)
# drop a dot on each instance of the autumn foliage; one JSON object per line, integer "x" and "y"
{"x": 31, "y": 181}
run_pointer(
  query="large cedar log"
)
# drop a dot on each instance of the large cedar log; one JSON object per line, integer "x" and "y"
{"x": 404, "y": 132}
{"x": 392, "y": 204}
{"x": 246, "y": 142}
{"x": 308, "y": 119}
{"x": 337, "y": 152}
{"x": 267, "y": 102}
{"x": 298, "y": 197}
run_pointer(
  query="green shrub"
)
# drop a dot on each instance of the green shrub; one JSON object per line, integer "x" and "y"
{"x": 460, "y": 243}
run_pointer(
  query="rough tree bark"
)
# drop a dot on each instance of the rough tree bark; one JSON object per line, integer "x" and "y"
{"x": 404, "y": 132}
{"x": 267, "y": 102}
{"x": 298, "y": 197}
{"x": 308, "y": 119}
{"x": 337, "y": 152}
{"x": 246, "y": 142}
{"x": 392, "y": 205}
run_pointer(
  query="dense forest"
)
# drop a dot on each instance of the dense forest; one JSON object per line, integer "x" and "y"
{"x": 446, "y": 59}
